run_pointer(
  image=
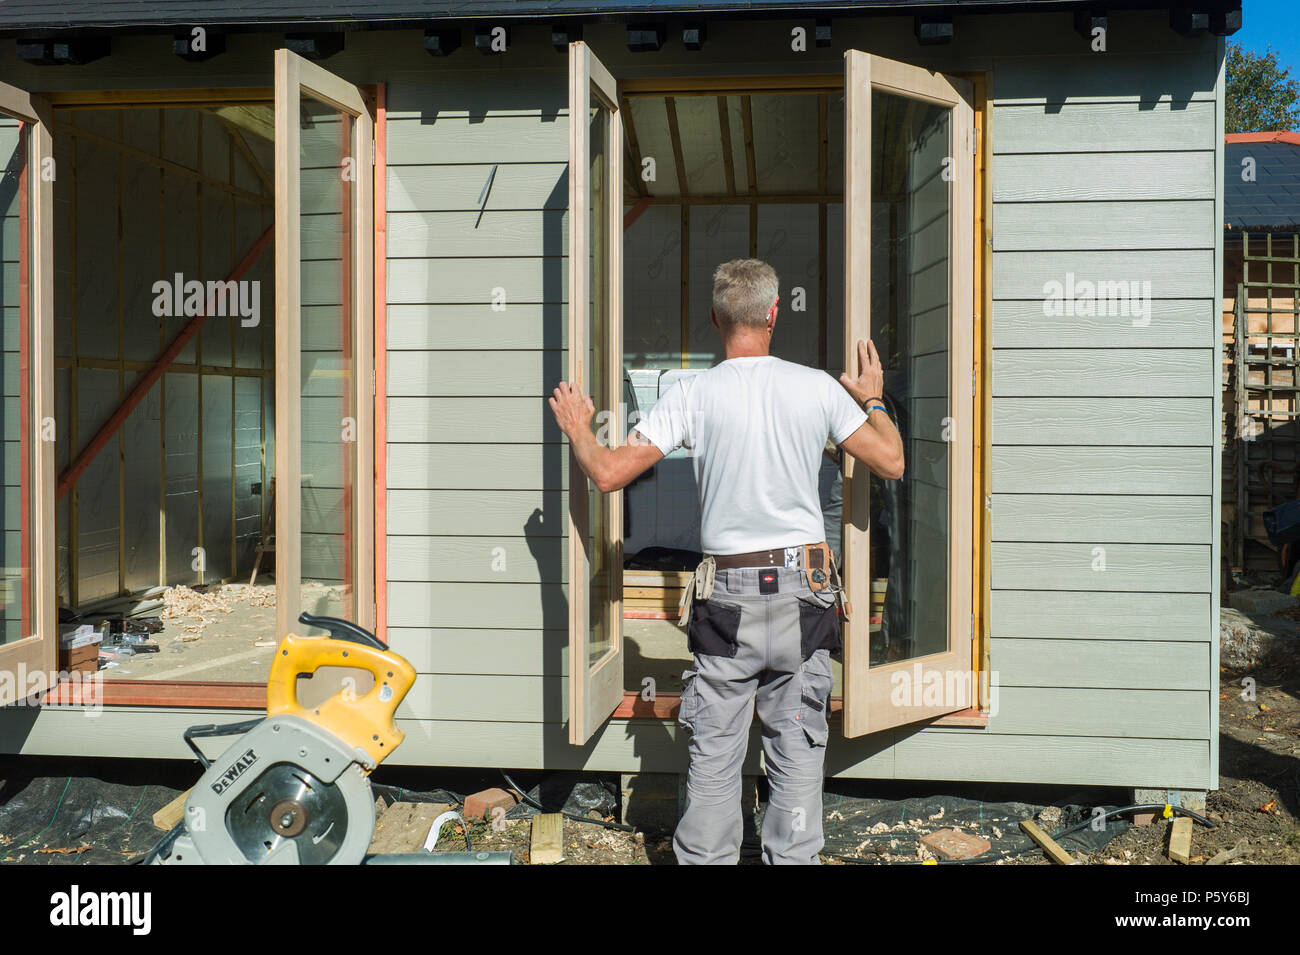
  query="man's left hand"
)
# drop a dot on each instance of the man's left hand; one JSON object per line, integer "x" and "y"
{"x": 573, "y": 410}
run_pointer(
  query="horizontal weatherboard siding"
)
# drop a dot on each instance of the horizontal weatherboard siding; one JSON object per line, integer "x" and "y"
{"x": 1101, "y": 470}
{"x": 1173, "y": 422}
{"x": 1050, "y": 178}
{"x": 1118, "y": 518}
{"x": 1121, "y": 373}
{"x": 1135, "y": 568}
{"x": 1094, "y": 614}
{"x": 1032, "y": 226}
{"x": 1026, "y": 324}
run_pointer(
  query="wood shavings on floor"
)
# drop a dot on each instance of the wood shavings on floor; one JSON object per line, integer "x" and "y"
{"x": 198, "y": 608}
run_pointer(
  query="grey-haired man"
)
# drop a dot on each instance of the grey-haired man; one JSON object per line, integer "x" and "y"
{"x": 764, "y": 617}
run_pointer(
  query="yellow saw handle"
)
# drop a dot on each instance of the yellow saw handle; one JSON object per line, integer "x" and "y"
{"x": 363, "y": 722}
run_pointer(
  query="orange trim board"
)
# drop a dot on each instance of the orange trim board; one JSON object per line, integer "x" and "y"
{"x": 186, "y": 693}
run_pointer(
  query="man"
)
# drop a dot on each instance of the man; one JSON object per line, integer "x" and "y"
{"x": 764, "y": 620}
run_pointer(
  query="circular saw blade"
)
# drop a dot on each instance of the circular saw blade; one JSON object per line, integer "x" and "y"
{"x": 287, "y": 804}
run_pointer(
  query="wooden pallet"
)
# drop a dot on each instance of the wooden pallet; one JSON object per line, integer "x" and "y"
{"x": 652, "y": 594}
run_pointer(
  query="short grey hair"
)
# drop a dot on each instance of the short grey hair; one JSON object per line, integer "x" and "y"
{"x": 744, "y": 291}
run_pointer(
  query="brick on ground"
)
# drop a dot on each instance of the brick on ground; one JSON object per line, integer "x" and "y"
{"x": 481, "y": 804}
{"x": 955, "y": 844}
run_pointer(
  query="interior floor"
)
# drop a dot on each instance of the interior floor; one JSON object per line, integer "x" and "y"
{"x": 218, "y": 634}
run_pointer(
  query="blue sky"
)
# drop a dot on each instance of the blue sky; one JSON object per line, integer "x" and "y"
{"x": 1274, "y": 23}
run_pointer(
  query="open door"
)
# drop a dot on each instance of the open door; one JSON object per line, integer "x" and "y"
{"x": 28, "y": 627}
{"x": 909, "y": 254}
{"x": 324, "y": 403}
{"x": 595, "y": 546}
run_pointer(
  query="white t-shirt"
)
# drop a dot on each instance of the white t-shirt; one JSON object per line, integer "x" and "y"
{"x": 756, "y": 427}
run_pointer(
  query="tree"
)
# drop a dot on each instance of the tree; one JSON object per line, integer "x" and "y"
{"x": 1261, "y": 96}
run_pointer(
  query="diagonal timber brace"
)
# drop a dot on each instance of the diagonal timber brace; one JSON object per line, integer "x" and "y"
{"x": 105, "y": 434}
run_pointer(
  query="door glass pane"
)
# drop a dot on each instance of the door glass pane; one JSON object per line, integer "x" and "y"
{"x": 911, "y": 195}
{"x": 328, "y": 430}
{"x": 597, "y": 380}
{"x": 15, "y": 338}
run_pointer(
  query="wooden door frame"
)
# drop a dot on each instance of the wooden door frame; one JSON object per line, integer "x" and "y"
{"x": 244, "y": 695}
{"x": 594, "y": 688}
{"x": 866, "y": 710}
{"x": 295, "y": 75}
{"x": 665, "y": 705}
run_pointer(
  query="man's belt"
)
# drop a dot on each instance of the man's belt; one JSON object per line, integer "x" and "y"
{"x": 755, "y": 558}
{"x": 814, "y": 560}
{"x": 774, "y": 558}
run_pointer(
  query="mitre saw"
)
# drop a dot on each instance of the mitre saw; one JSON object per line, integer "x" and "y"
{"x": 295, "y": 788}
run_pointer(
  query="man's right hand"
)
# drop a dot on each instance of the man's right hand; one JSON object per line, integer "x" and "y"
{"x": 870, "y": 382}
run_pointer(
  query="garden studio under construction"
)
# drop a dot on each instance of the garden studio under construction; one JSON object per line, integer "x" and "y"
{"x": 299, "y": 279}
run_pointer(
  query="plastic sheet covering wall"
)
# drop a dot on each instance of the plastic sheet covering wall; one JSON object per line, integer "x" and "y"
{"x": 142, "y": 440}
{"x": 187, "y": 468}
{"x": 652, "y": 276}
{"x": 98, "y": 517}
{"x": 218, "y": 474}
{"x": 788, "y": 241}
{"x": 181, "y": 498}
{"x": 247, "y": 468}
{"x": 717, "y": 234}
{"x": 835, "y": 287}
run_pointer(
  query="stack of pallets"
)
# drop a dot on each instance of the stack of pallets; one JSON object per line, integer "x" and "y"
{"x": 653, "y": 594}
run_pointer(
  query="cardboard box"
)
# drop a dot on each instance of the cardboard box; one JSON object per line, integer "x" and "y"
{"x": 72, "y": 636}
{"x": 82, "y": 659}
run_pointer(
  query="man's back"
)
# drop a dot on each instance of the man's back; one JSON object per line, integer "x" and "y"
{"x": 756, "y": 427}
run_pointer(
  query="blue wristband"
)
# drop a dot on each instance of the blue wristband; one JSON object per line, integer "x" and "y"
{"x": 874, "y": 407}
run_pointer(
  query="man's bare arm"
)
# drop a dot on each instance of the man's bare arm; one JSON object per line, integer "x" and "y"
{"x": 610, "y": 469}
{"x": 877, "y": 444}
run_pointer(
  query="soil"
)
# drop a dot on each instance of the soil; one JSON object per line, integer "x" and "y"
{"x": 1258, "y": 798}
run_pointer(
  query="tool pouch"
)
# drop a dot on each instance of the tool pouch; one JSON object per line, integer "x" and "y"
{"x": 817, "y": 566}
{"x": 699, "y": 587}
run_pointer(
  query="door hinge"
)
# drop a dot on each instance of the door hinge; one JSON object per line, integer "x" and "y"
{"x": 974, "y": 382}
{"x": 975, "y": 141}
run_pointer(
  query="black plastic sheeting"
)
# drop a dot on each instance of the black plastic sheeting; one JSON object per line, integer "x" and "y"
{"x": 53, "y": 818}
{"x": 890, "y": 830}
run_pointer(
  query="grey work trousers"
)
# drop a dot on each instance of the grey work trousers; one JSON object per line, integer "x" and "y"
{"x": 750, "y": 644}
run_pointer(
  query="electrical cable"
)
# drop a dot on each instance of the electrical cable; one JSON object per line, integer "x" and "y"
{"x": 523, "y": 794}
